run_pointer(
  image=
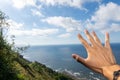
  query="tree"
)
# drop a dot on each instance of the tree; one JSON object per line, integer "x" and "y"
{"x": 3, "y": 26}
{"x": 3, "y": 22}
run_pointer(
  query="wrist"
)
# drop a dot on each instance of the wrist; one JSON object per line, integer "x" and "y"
{"x": 108, "y": 71}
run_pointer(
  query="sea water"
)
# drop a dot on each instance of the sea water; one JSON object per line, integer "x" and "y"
{"x": 58, "y": 57}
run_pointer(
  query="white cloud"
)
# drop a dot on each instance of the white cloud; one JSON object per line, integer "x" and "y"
{"x": 106, "y": 18}
{"x": 37, "y": 13}
{"x": 67, "y": 23}
{"x": 65, "y": 35}
{"x": 44, "y": 32}
{"x": 19, "y": 4}
{"x": 71, "y": 3}
{"x": 34, "y": 32}
{"x": 15, "y": 25}
{"x": 107, "y": 12}
{"x": 17, "y": 29}
{"x": 113, "y": 27}
{"x": 4, "y": 2}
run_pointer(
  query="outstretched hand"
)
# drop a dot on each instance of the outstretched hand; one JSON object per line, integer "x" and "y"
{"x": 99, "y": 56}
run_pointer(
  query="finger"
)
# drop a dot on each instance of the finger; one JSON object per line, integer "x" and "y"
{"x": 96, "y": 38}
{"x": 107, "y": 40}
{"x": 83, "y": 41}
{"x": 78, "y": 58}
{"x": 90, "y": 37}
{"x": 107, "y": 44}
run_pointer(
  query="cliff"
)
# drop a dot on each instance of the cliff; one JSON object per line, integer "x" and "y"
{"x": 14, "y": 67}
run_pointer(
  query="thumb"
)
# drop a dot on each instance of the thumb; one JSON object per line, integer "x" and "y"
{"x": 78, "y": 58}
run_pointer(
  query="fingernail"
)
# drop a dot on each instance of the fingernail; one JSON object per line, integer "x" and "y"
{"x": 79, "y": 36}
{"x": 107, "y": 33}
{"x": 86, "y": 31}
{"x": 93, "y": 32}
{"x": 74, "y": 56}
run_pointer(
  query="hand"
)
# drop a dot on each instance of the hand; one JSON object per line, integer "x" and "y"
{"x": 99, "y": 56}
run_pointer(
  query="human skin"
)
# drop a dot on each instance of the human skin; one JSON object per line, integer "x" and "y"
{"x": 100, "y": 58}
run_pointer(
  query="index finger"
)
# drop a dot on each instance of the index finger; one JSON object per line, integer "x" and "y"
{"x": 83, "y": 41}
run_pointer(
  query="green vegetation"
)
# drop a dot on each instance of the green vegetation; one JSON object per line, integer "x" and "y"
{"x": 14, "y": 67}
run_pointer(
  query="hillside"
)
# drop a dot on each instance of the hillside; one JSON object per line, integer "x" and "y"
{"x": 14, "y": 67}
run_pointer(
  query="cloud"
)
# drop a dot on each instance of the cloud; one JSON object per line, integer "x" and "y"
{"x": 66, "y": 23}
{"x": 34, "y": 32}
{"x": 19, "y": 4}
{"x": 70, "y": 3}
{"x": 113, "y": 28}
{"x": 66, "y": 35}
{"x": 4, "y": 2}
{"x": 107, "y": 12}
{"x": 15, "y": 25}
{"x": 37, "y": 13}
{"x": 17, "y": 29}
{"x": 106, "y": 18}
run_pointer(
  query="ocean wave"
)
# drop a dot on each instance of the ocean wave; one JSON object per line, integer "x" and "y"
{"x": 26, "y": 57}
{"x": 78, "y": 75}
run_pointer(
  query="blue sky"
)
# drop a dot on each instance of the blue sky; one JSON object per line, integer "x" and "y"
{"x": 51, "y": 22}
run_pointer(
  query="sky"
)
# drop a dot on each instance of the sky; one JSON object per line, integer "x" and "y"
{"x": 56, "y": 22}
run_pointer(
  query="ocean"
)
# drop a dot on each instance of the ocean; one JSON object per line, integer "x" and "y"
{"x": 58, "y": 57}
